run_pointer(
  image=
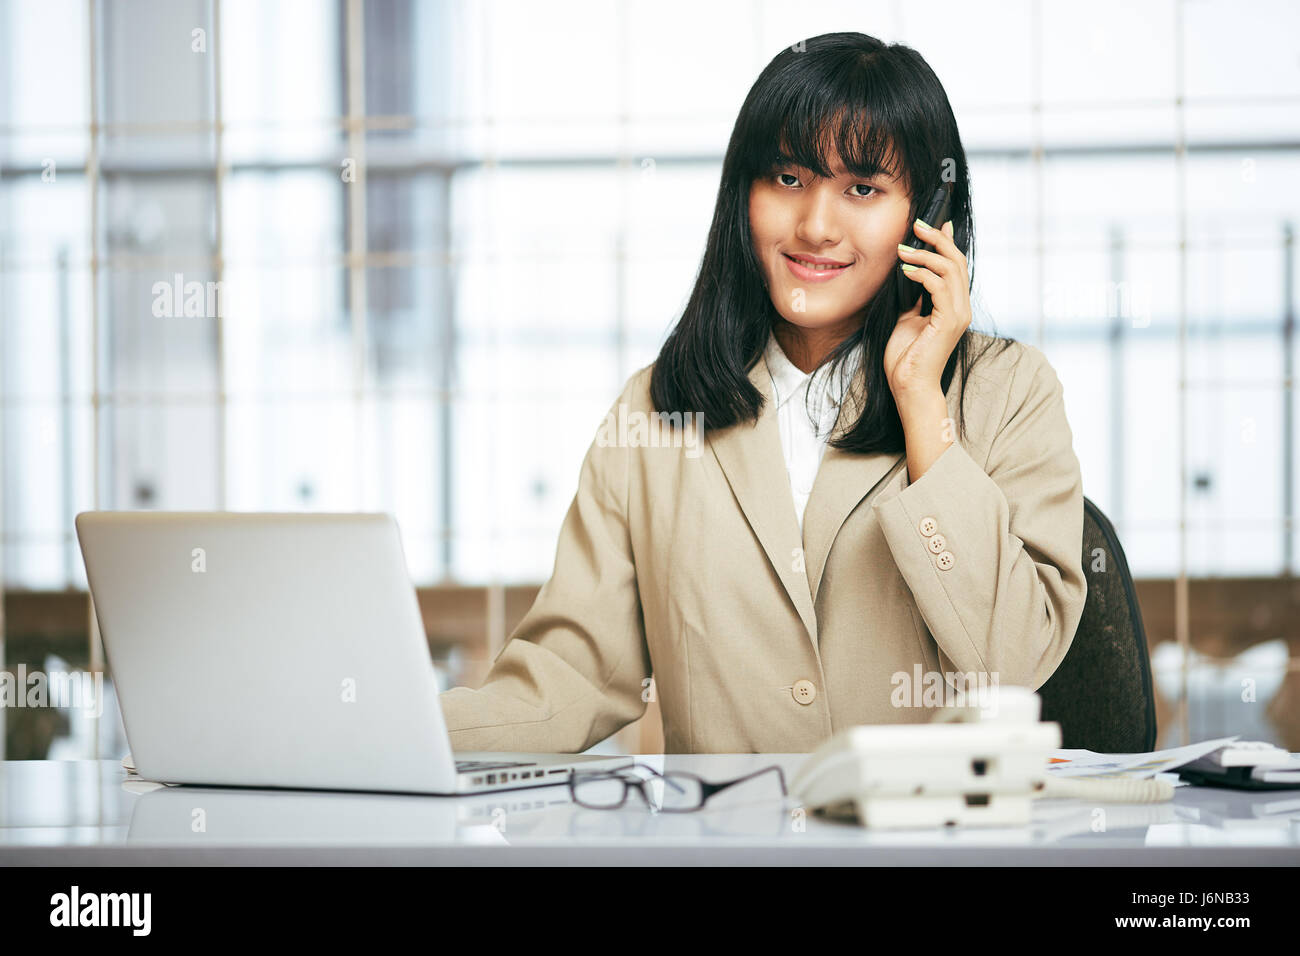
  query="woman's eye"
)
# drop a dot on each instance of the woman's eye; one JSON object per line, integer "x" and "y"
{"x": 793, "y": 180}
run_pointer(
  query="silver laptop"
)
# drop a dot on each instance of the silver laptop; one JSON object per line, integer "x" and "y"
{"x": 280, "y": 650}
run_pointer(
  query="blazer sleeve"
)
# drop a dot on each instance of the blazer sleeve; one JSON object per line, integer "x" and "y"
{"x": 1011, "y": 599}
{"x": 573, "y": 671}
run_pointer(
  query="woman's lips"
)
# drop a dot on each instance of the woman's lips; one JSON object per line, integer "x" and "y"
{"x": 808, "y": 274}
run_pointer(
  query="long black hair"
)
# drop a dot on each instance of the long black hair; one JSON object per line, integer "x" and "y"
{"x": 883, "y": 109}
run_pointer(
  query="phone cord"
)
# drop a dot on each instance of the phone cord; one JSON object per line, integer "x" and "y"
{"x": 1108, "y": 791}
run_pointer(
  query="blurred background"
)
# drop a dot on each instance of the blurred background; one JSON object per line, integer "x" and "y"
{"x": 344, "y": 254}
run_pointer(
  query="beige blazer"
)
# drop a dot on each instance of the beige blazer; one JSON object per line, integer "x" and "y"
{"x": 685, "y": 563}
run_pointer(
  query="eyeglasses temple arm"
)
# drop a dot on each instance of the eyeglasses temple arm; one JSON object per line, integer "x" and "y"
{"x": 711, "y": 788}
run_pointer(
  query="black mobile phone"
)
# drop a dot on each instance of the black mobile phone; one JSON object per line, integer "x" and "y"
{"x": 936, "y": 213}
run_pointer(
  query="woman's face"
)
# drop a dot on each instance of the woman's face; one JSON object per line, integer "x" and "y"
{"x": 855, "y": 224}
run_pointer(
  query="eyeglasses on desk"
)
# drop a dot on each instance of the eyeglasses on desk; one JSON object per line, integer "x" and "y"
{"x": 677, "y": 791}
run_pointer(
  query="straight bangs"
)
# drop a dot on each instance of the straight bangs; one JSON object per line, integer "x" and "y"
{"x": 849, "y": 116}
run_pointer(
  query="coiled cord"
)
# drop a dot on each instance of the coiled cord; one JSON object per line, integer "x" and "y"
{"x": 1107, "y": 791}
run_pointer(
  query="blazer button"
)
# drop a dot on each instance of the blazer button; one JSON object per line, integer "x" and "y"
{"x": 805, "y": 691}
{"x": 937, "y": 543}
{"x": 928, "y": 526}
{"x": 945, "y": 560}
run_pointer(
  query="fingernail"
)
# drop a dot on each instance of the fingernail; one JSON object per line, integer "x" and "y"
{"x": 947, "y": 224}
{"x": 903, "y": 248}
{"x": 924, "y": 224}
{"x": 908, "y": 268}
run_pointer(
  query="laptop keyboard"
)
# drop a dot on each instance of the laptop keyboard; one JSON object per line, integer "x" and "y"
{"x": 469, "y": 766}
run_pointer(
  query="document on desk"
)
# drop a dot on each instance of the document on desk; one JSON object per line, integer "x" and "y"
{"x": 1288, "y": 772}
{"x": 1085, "y": 763}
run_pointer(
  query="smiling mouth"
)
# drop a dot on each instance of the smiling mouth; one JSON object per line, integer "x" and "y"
{"x": 815, "y": 266}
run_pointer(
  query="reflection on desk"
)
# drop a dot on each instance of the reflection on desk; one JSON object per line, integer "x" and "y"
{"x": 84, "y": 811}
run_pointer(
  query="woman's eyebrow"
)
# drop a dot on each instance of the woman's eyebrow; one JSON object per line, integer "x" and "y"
{"x": 881, "y": 174}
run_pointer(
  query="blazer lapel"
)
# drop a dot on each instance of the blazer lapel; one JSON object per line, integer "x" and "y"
{"x": 844, "y": 480}
{"x": 751, "y": 457}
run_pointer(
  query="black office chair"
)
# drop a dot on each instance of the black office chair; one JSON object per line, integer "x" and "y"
{"x": 1101, "y": 694}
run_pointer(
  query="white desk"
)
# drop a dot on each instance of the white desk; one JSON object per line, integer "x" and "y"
{"x": 79, "y": 813}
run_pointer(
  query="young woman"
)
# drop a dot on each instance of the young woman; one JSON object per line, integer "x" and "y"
{"x": 842, "y": 512}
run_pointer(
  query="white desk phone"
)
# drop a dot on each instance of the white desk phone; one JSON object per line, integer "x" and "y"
{"x": 978, "y": 764}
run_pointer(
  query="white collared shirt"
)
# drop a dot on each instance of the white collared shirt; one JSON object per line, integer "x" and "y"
{"x": 802, "y": 444}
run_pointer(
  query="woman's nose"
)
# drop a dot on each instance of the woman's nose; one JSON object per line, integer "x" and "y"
{"x": 817, "y": 224}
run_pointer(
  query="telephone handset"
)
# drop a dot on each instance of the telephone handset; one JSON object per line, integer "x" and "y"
{"x": 935, "y": 213}
{"x": 981, "y": 763}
